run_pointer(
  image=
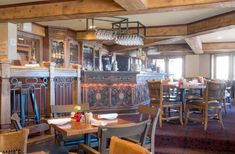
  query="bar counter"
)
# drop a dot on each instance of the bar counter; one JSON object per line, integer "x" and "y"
{"x": 109, "y": 91}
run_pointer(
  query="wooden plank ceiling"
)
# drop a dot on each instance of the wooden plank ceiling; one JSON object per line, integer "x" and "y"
{"x": 91, "y": 8}
{"x": 46, "y": 10}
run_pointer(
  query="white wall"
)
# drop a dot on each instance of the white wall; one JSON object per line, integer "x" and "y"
{"x": 197, "y": 65}
{"x": 204, "y": 65}
{"x": 8, "y": 40}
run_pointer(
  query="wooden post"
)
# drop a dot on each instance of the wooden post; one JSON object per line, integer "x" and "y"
{"x": 5, "y": 103}
{"x": 77, "y": 85}
{"x": 51, "y": 86}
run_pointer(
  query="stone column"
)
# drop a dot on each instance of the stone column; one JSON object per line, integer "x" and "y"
{"x": 5, "y": 94}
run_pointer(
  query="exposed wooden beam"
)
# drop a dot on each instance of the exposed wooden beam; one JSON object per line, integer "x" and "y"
{"x": 206, "y": 26}
{"x": 196, "y": 44}
{"x": 158, "y": 48}
{"x": 218, "y": 47}
{"x": 132, "y": 4}
{"x": 212, "y": 24}
{"x": 154, "y": 34}
{"x": 94, "y": 8}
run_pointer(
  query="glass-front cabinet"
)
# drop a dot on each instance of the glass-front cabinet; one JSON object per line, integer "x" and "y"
{"x": 61, "y": 47}
{"x": 57, "y": 52}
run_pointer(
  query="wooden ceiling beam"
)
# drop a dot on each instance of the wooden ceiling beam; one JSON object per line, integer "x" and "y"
{"x": 131, "y": 5}
{"x": 97, "y": 8}
{"x": 153, "y": 33}
{"x": 195, "y": 29}
{"x": 218, "y": 47}
{"x": 159, "y": 48}
{"x": 196, "y": 44}
{"x": 212, "y": 24}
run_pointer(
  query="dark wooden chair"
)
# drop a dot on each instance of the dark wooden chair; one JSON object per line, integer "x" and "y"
{"x": 105, "y": 134}
{"x": 14, "y": 142}
{"x": 73, "y": 141}
{"x": 228, "y": 95}
{"x": 213, "y": 100}
{"x": 37, "y": 133}
{"x": 156, "y": 99}
{"x": 151, "y": 113}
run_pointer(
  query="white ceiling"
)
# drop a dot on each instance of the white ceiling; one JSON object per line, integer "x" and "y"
{"x": 220, "y": 36}
{"x": 152, "y": 19}
{"x": 9, "y": 2}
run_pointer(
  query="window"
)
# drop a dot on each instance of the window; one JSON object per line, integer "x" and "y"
{"x": 175, "y": 67}
{"x": 160, "y": 63}
{"x": 222, "y": 67}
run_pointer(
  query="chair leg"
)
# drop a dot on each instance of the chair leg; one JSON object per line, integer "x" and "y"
{"x": 224, "y": 103}
{"x": 206, "y": 120}
{"x": 181, "y": 116}
{"x": 221, "y": 119}
{"x": 187, "y": 115}
{"x": 160, "y": 118}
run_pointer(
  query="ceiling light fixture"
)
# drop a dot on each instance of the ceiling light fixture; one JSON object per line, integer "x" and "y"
{"x": 120, "y": 32}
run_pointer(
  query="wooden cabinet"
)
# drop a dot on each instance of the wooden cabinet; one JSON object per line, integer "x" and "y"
{"x": 91, "y": 58}
{"x": 61, "y": 47}
{"x": 29, "y": 47}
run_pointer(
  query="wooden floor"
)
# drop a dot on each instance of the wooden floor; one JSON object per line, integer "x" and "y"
{"x": 173, "y": 138}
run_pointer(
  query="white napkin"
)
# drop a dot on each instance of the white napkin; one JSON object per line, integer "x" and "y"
{"x": 60, "y": 121}
{"x": 95, "y": 122}
{"x": 32, "y": 65}
{"x": 109, "y": 116}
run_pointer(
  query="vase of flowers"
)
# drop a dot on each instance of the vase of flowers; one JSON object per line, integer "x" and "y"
{"x": 77, "y": 113}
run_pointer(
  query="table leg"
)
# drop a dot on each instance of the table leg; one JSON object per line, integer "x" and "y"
{"x": 182, "y": 98}
{"x": 87, "y": 139}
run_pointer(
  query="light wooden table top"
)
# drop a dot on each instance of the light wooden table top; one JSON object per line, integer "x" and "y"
{"x": 79, "y": 128}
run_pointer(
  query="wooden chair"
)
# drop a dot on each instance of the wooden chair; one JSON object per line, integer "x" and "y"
{"x": 119, "y": 146}
{"x": 105, "y": 134}
{"x": 228, "y": 95}
{"x": 156, "y": 99}
{"x": 65, "y": 110}
{"x": 14, "y": 142}
{"x": 151, "y": 113}
{"x": 40, "y": 132}
{"x": 213, "y": 100}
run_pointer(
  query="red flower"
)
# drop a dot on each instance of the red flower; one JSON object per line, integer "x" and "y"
{"x": 78, "y": 117}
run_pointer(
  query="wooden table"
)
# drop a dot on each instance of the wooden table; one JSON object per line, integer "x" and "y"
{"x": 183, "y": 88}
{"x": 80, "y": 128}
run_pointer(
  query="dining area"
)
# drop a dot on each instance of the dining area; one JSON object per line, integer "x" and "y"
{"x": 75, "y": 129}
{"x": 117, "y": 77}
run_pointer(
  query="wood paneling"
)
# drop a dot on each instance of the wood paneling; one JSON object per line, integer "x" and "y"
{"x": 132, "y": 4}
{"x": 219, "y": 47}
{"x": 91, "y": 8}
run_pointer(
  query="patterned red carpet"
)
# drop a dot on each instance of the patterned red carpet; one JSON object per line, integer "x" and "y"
{"x": 173, "y": 138}
{"x": 192, "y": 139}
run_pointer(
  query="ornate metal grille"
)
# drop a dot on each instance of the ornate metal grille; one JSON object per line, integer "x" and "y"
{"x": 28, "y": 99}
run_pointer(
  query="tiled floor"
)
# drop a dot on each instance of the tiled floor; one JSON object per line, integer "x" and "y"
{"x": 192, "y": 139}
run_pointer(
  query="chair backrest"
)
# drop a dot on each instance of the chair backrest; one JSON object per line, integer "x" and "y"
{"x": 119, "y": 146}
{"x": 215, "y": 90}
{"x": 15, "y": 119}
{"x": 155, "y": 90}
{"x": 14, "y": 142}
{"x": 153, "y": 114}
{"x": 105, "y": 134}
{"x": 63, "y": 110}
